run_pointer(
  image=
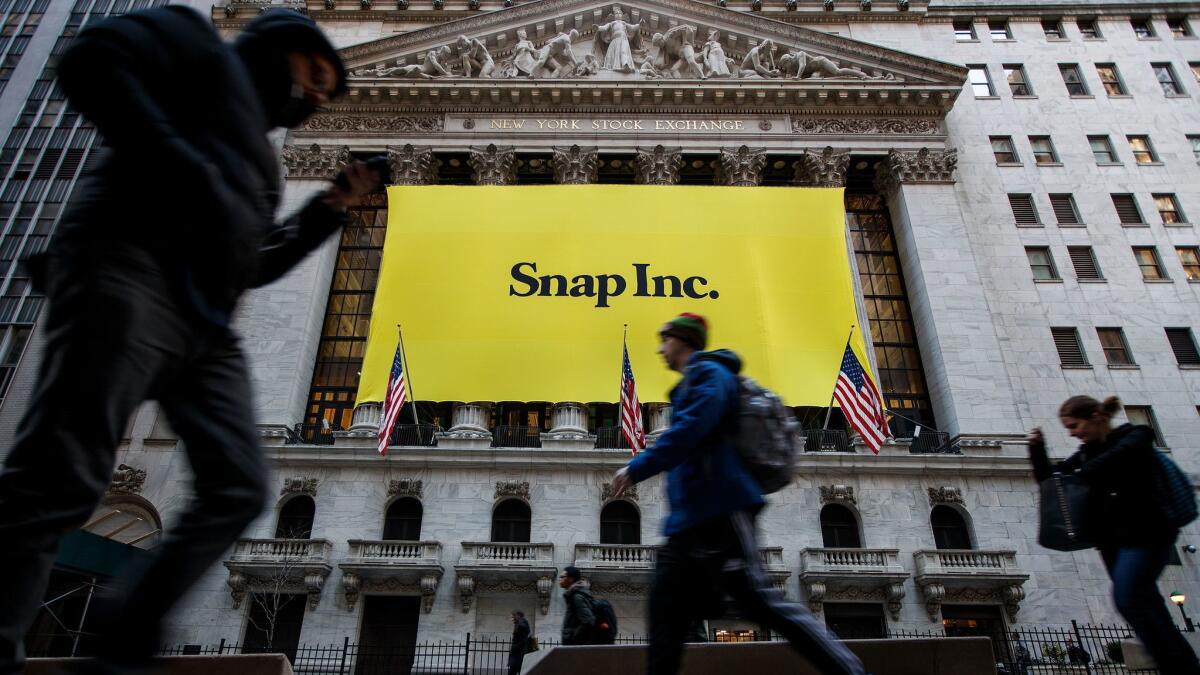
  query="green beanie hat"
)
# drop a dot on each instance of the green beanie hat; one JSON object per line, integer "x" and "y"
{"x": 691, "y": 328}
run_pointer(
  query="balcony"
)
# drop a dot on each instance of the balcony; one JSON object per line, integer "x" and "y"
{"x": 516, "y": 437}
{"x": 279, "y": 565}
{"x": 506, "y": 567}
{"x": 832, "y": 574}
{"x": 415, "y": 435}
{"x": 772, "y": 560}
{"x": 963, "y": 575}
{"x": 620, "y": 569}
{"x": 409, "y": 567}
{"x": 611, "y": 438}
{"x": 826, "y": 440}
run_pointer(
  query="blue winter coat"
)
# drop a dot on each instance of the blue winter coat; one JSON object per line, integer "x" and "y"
{"x": 705, "y": 476}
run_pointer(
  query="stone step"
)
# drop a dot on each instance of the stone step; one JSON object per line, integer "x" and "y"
{"x": 932, "y": 656}
{"x": 231, "y": 664}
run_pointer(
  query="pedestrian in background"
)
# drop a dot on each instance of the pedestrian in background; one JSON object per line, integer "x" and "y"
{"x": 520, "y": 642}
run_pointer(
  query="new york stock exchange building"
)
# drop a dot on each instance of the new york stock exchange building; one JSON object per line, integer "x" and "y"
{"x": 1018, "y": 181}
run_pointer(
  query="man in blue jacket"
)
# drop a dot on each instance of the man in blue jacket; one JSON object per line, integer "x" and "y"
{"x": 713, "y": 501}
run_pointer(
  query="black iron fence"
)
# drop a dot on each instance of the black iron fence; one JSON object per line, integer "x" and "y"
{"x": 933, "y": 443}
{"x": 415, "y": 434}
{"x": 516, "y": 437}
{"x": 611, "y": 438}
{"x": 827, "y": 440}
{"x": 314, "y": 434}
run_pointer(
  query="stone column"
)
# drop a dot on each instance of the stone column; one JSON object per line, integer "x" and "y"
{"x": 660, "y": 419}
{"x": 659, "y": 165}
{"x": 742, "y": 167}
{"x": 969, "y": 387}
{"x": 575, "y": 165}
{"x": 470, "y": 420}
{"x": 568, "y": 421}
{"x": 493, "y": 165}
{"x": 824, "y": 168}
{"x": 366, "y": 419}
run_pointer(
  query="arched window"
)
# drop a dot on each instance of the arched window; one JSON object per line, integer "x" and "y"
{"x": 620, "y": 523}
{"x": 403, "y": 520}
{"x": 296, "y": 518}
{"x": 130, "y": 521}
{"x": 839, "y": 527}
{"x": 510, "y": 521}
{"x": 949, "y": 528}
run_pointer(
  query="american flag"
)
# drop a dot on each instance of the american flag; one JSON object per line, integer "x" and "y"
{"x": 631, "y": 408}
{"x": 397, "y": 392}
{"x": 860, "y": 401}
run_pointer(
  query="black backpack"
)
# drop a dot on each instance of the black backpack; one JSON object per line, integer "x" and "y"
{"x": 766, "y": 437}
{"x": 605, "y": 631}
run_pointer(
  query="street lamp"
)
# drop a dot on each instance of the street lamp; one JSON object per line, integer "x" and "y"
{"x": 1179, "y": 598}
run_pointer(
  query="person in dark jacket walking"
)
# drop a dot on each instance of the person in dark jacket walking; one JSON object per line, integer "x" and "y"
{"x": 161, "y": 238}
{"x": 1125, "y": 522}
{"x": 520, "y": 642}
{"x": 711, "y": 542}
{"x": 579, "y": 621}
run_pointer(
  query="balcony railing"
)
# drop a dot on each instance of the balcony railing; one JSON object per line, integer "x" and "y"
{"x": 416, "y": 435}
{"x": 506, "y": 553}
{"x": 396, "y": 552}
{"x": 273, "y": 550}
{"x": 516, "y": 437}
{"x": 615, "y": 556}
{"x": 827, "y": 440}
{"x": 962, "y": 562}
{"x": 611, "y": 438}
{"x": 313, "y": 434}
{"x": 850, "y": 559}
{"x": 933, "y": 443}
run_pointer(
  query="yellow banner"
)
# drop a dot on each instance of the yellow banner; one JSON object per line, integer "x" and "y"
{"x": 520, "y": 293}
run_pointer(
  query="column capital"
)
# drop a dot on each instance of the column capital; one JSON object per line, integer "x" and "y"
{"x": 916, "y": 166}
{"x": 494, "y": 165}
{"x": 659, "y": 165}
{"x": 575, "y": 165}
{"x": 823, "y": 168}
{"x": 742, "y": 167}
{"x": 314, "y": 161}
{"x": 412, "y": 164}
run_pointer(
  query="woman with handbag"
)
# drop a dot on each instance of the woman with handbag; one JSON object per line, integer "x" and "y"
{"x": 1125, "y": 519}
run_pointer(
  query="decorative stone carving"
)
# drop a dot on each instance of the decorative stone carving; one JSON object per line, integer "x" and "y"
{"x": 895, "y": 599}
{"x": 843, "y": 494}
{"x": 934, "y": 594}
{"x": 351, "y": 586}
{"x": 659, "y": 165}
{"x": 299, "y": 486}
{"x": 677, "y": 53}
{"x": 466, "y": 591}
{"x": 616, "y": 41}
{"x": 408, "y": 124}
{"x": 606, "y": 493}
{"x": 713, "y": 61}
{"x": 313, "y": 583}
{"x": 800, "y": 65}
{"x": 921, "y": 166}
{"x": 902, "y": 5}
{"x": 575, "y": 165}
{"x": 493, "y": 165}
{"x": 760, "y": 61}
{"x": 429, "y": 584}
{"x": 512, "y": 489}
{"x": 474, "y": 4}
{"x": 858, "y": 126}
{"x": 412, "y": 165}
{"x": 828, "y": 5}
{"x": 230, "y": 11}
{"x": 816, "y": 596}
{"x": 524, "y": 55}
{"x": 126, "y": 480}
{"x": 742, "y": 167}
{"x": 865, "y": 5}
{"x": 470, "y": 420}
{"x": 1012, "y": 595}
{"x": 556, "y": 58}
{"x": 314, "y": 161}
{"x": 826, "y": 168}
{"x": 474, "y": 59}
{"x": 237, "y": 588}
{"x": 330, "y": 5}
{"x": 544, "y": 585}
{"x": 365, "y": 4}
{"x": 406, "y": 487}
{"x": 412, "y": 71}
{"x": 401, "y": 4}
{"x": 945, "y": 495}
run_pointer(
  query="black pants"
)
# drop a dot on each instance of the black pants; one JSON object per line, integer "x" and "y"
{"x": 115, "y": 337}
{"x": 723, "y": 553}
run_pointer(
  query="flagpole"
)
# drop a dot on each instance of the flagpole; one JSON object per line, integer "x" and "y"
{"x": 829, "y": 409}
{"x": 408, "y": 378}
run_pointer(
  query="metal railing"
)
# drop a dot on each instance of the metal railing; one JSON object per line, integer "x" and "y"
{"x": 933, "y": 443}
{"x": 827, "y": 440}
{"x": 611, "y": 438}
{"x": 314, "y": 434}
{"x": 516, "y": 437}
{"x": 416, "y": 435}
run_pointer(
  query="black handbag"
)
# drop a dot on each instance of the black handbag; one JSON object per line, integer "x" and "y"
{"x": 1064, "y": 510}
{"x": 1174, "y": 492}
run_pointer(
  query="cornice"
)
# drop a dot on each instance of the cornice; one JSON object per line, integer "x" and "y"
{"x": 1065, "y": 9}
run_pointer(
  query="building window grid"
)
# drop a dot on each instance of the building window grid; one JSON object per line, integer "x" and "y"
{"x": 20, "y": 21}
{"x": 1168, "y": 209}
{"x": 1149, "y": 263}
{"x": 1110, "y": 78}
{"x": 1143, "y": 151}
{"x": 1053, "y": 29}
{"x": 964, "y": 31}
{"x": 1088, "y": 28}
{"x": 1179, "y": 27}
{"x": 1115, "y": 347}
{"x": 1004, "y": 150}
{"x": 1189, "y": 257}
{"x": 1072, "y": 79}
{"x": 1102, "y": 150}
{"x": 1142, "y": 27}
{"x": 1043, "y": 150}
{"x": 1041, "y": 263}
{"x": 981, "y": 82}
{"x": 999, "y": 30}
{"x": 1165, "y": 74}
{"x": 1018, "y": 82}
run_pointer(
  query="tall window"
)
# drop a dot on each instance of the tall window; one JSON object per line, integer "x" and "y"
{"x": 999, "y": 30}
{"x": 510, "y": 521}
{"x": 620, "y": 523}
{"x": 1127, "y": 210}
{"x": 1168, "y": 209}
{"x": 839, "y": 527}
{"x": 1102, "y": 150}
{"x": 1018, "y": 82}
{"x": 1165, "y": 75}
{"x": 964, "y": 31}
{"x": 1002, "y": 148}
{"x": 901, "y": 375}
{"x": 1064, "y": 209}
{"x": 1144, "y": 415}
{"x": 1142, "y": 27}
{"x": 1183, "y": 344}
{"x": 1143, "y": 152}
{"x": 1111, "y": 79}
{"x": 949, "y": 528}
{"x": 1088, "y": 28}
{"x": 1053, "y": 29}
{"x": 981, "y": 84}
{"x": 1041, "y": 263}
{"x": 1179, "y": 26}
{"x": 1043, "y": 150}
{"x": 296, "y": 518}
{"x": 1148, "y": 263}
{"x": 1189, "y": 257}
{"x": 1069, "y": 347}
{"x": 1116, "y": 349}
{"x": 1072, "y": 78}
{"x": 403, "y": 520}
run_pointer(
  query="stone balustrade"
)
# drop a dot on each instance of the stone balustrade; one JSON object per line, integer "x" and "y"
{"x": 965, "y": 562}
{"x": 390, "y": 565}
{"x": 281, "y": 550}
{"x": 396, "y": 552}
{"x": 259, "y": 565}
{"x": 850, "y": 559}
{"x": 615, "y": 556}
{"x": 963, "y": 575}
{"x": 839, "y": 574}
{"x": 506, "y": 553}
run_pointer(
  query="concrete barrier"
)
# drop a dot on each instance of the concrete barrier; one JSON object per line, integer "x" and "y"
{"x": 933, "y": 656}
{"x": 233, "y": 664}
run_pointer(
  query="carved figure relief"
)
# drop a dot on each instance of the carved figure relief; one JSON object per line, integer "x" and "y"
{"x": 556, "y": 58}
{"x": 799, "y": 65}
{"x": 474, "y": 57}
{"x": 760, "y": 61}
{"x": 713, "y": 61}
{"x": 126, "y": 480}
{"x": 676, "y": 53}
{"x": 524, "y": 55}
{"x": 616, "y": 41}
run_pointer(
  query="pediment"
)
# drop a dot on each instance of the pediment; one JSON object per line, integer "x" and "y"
{"x": 565, "y": 43}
